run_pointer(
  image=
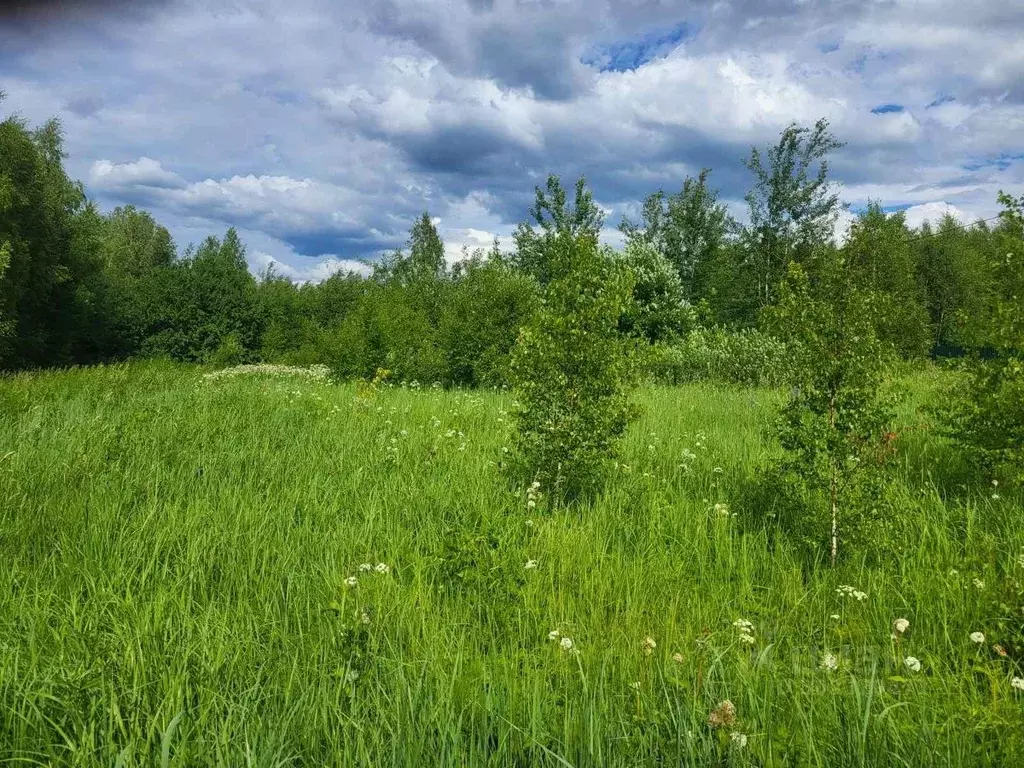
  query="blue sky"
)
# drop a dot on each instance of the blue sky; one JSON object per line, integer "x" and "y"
{"x": 321, "y": 129}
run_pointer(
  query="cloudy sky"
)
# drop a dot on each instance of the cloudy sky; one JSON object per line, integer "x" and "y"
{"x": 320, "y": 129}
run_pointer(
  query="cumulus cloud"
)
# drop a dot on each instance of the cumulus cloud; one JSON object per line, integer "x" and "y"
{"x": 326, "y": 128}
{"x": 144, "y": 172}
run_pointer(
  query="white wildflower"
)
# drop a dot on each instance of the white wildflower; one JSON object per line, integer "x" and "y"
{"x": 743, "y": 625}
{"x": 977, "y": 637}
{"x": 649, "y": 645}
{"x": 554, "y": 634}
{"x": 747, "y": 638}
{"x": 978, "y": 583}
{"x": 365, "y": 617}
{"x": 830, "y": 662}
{"x": 530, "y": 565}
{"x": 739, "y": 739}
{"x": 382, "y": 568}
{"x": 351, "y": 581}
{"x": 901, "y": 625}
{"x": 366, "y": 567}
{"x": 677, "y": 658}
{"x": 913, "y": 664}
{"x": 566, "y": 644}
{"x": 834, "y": 617}
{"x": 635, "y": 685}
{"x": 1018, "y": 683}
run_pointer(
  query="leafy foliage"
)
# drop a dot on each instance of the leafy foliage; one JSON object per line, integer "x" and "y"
{"x": 834, "y": 430}
{"x": 659, "y": 311}
{"x": 571, "y": 365}
{"x": 793, "y": 205}
{"x": 988, "y": 417}
{"x": 746, "y": 356}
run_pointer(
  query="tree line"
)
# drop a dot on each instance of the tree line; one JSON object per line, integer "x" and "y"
{"x": 78, "y": 286}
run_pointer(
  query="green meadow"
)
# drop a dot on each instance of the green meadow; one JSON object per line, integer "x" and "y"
{"x": 273, "y": 570}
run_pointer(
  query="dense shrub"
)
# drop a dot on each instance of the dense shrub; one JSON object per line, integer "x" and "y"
{"x": 835, "y": 429}
{"x": 480, "y": 322}
{"x": 987, "y": 417}
{"x": 735, "y": 356}
{"x": 571, "y": 367}
{"x": 659, "y": 311}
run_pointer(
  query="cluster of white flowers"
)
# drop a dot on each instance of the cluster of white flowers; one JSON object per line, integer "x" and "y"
{"x": 977, "y": 637}
{"x": 913, "y": 664}
{"x": 353, "y": 581}
{"x": 677, "y": 658}
{"x": 1018, "y": 683}
{"x": 565, "y": 642}
{"x": 746, "y": 630}
{"x": 532, "y": 495}
{"x": 738, "y": 739}
{"x": 530, "y": 565}
{"x": 722, "y": 510}
{"x": 313, "y": 372}
{"x": 901, "y": 625}
{"x": 845, "y": 590}
{"x": 830, "y": 662}
{"x": 648, "y": 645}
{"x": 978, "y": 583}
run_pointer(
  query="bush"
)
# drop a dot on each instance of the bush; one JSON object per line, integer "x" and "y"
{"x": 571, "y": 365}
{"x": 834, "y": 430}
{"x": 746, "y": 356}
{"x": 659, "y": 311}
{"x": 987, "y": 417}
{"x": 480, "y": 322}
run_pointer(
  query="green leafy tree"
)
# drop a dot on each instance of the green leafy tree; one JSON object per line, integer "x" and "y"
{"x": 988, "y": 417}
{"x": 793, "y": 206}
{"x": 659, "y": 311}
{"x": 553, "y": 218}
{"x": 880, "y": 252}
{"x": 52, "y": 289}
{"x": 571, "y": 366}
{"x": 954, "y": 270}
{"x": 688, "y": 228}
{"x": 489, "y": 304}
{"x": 834, "y": 429}
{"x": 204, "y": 298}
{"x": 133, "y": 247}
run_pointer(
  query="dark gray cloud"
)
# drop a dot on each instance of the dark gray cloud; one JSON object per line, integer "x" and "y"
{"x": 322, "y": 128}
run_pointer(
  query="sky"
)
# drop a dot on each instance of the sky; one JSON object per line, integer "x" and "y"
{"x": 320, "y": 129}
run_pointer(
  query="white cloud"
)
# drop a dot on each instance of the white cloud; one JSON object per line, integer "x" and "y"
{"x": 144, "y": 172}
{"x": 916, "y": 215}
{"x": 325, "y": 128}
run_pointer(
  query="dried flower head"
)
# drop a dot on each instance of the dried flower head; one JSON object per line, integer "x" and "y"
{"x": 723, "y": 715}
{"x": 649, "y": 645}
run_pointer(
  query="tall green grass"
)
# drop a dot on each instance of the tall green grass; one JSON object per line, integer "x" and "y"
{"x": 174, "y": 555}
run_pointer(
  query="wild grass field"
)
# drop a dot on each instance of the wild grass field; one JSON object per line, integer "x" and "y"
{"x": 269, "y": 571}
